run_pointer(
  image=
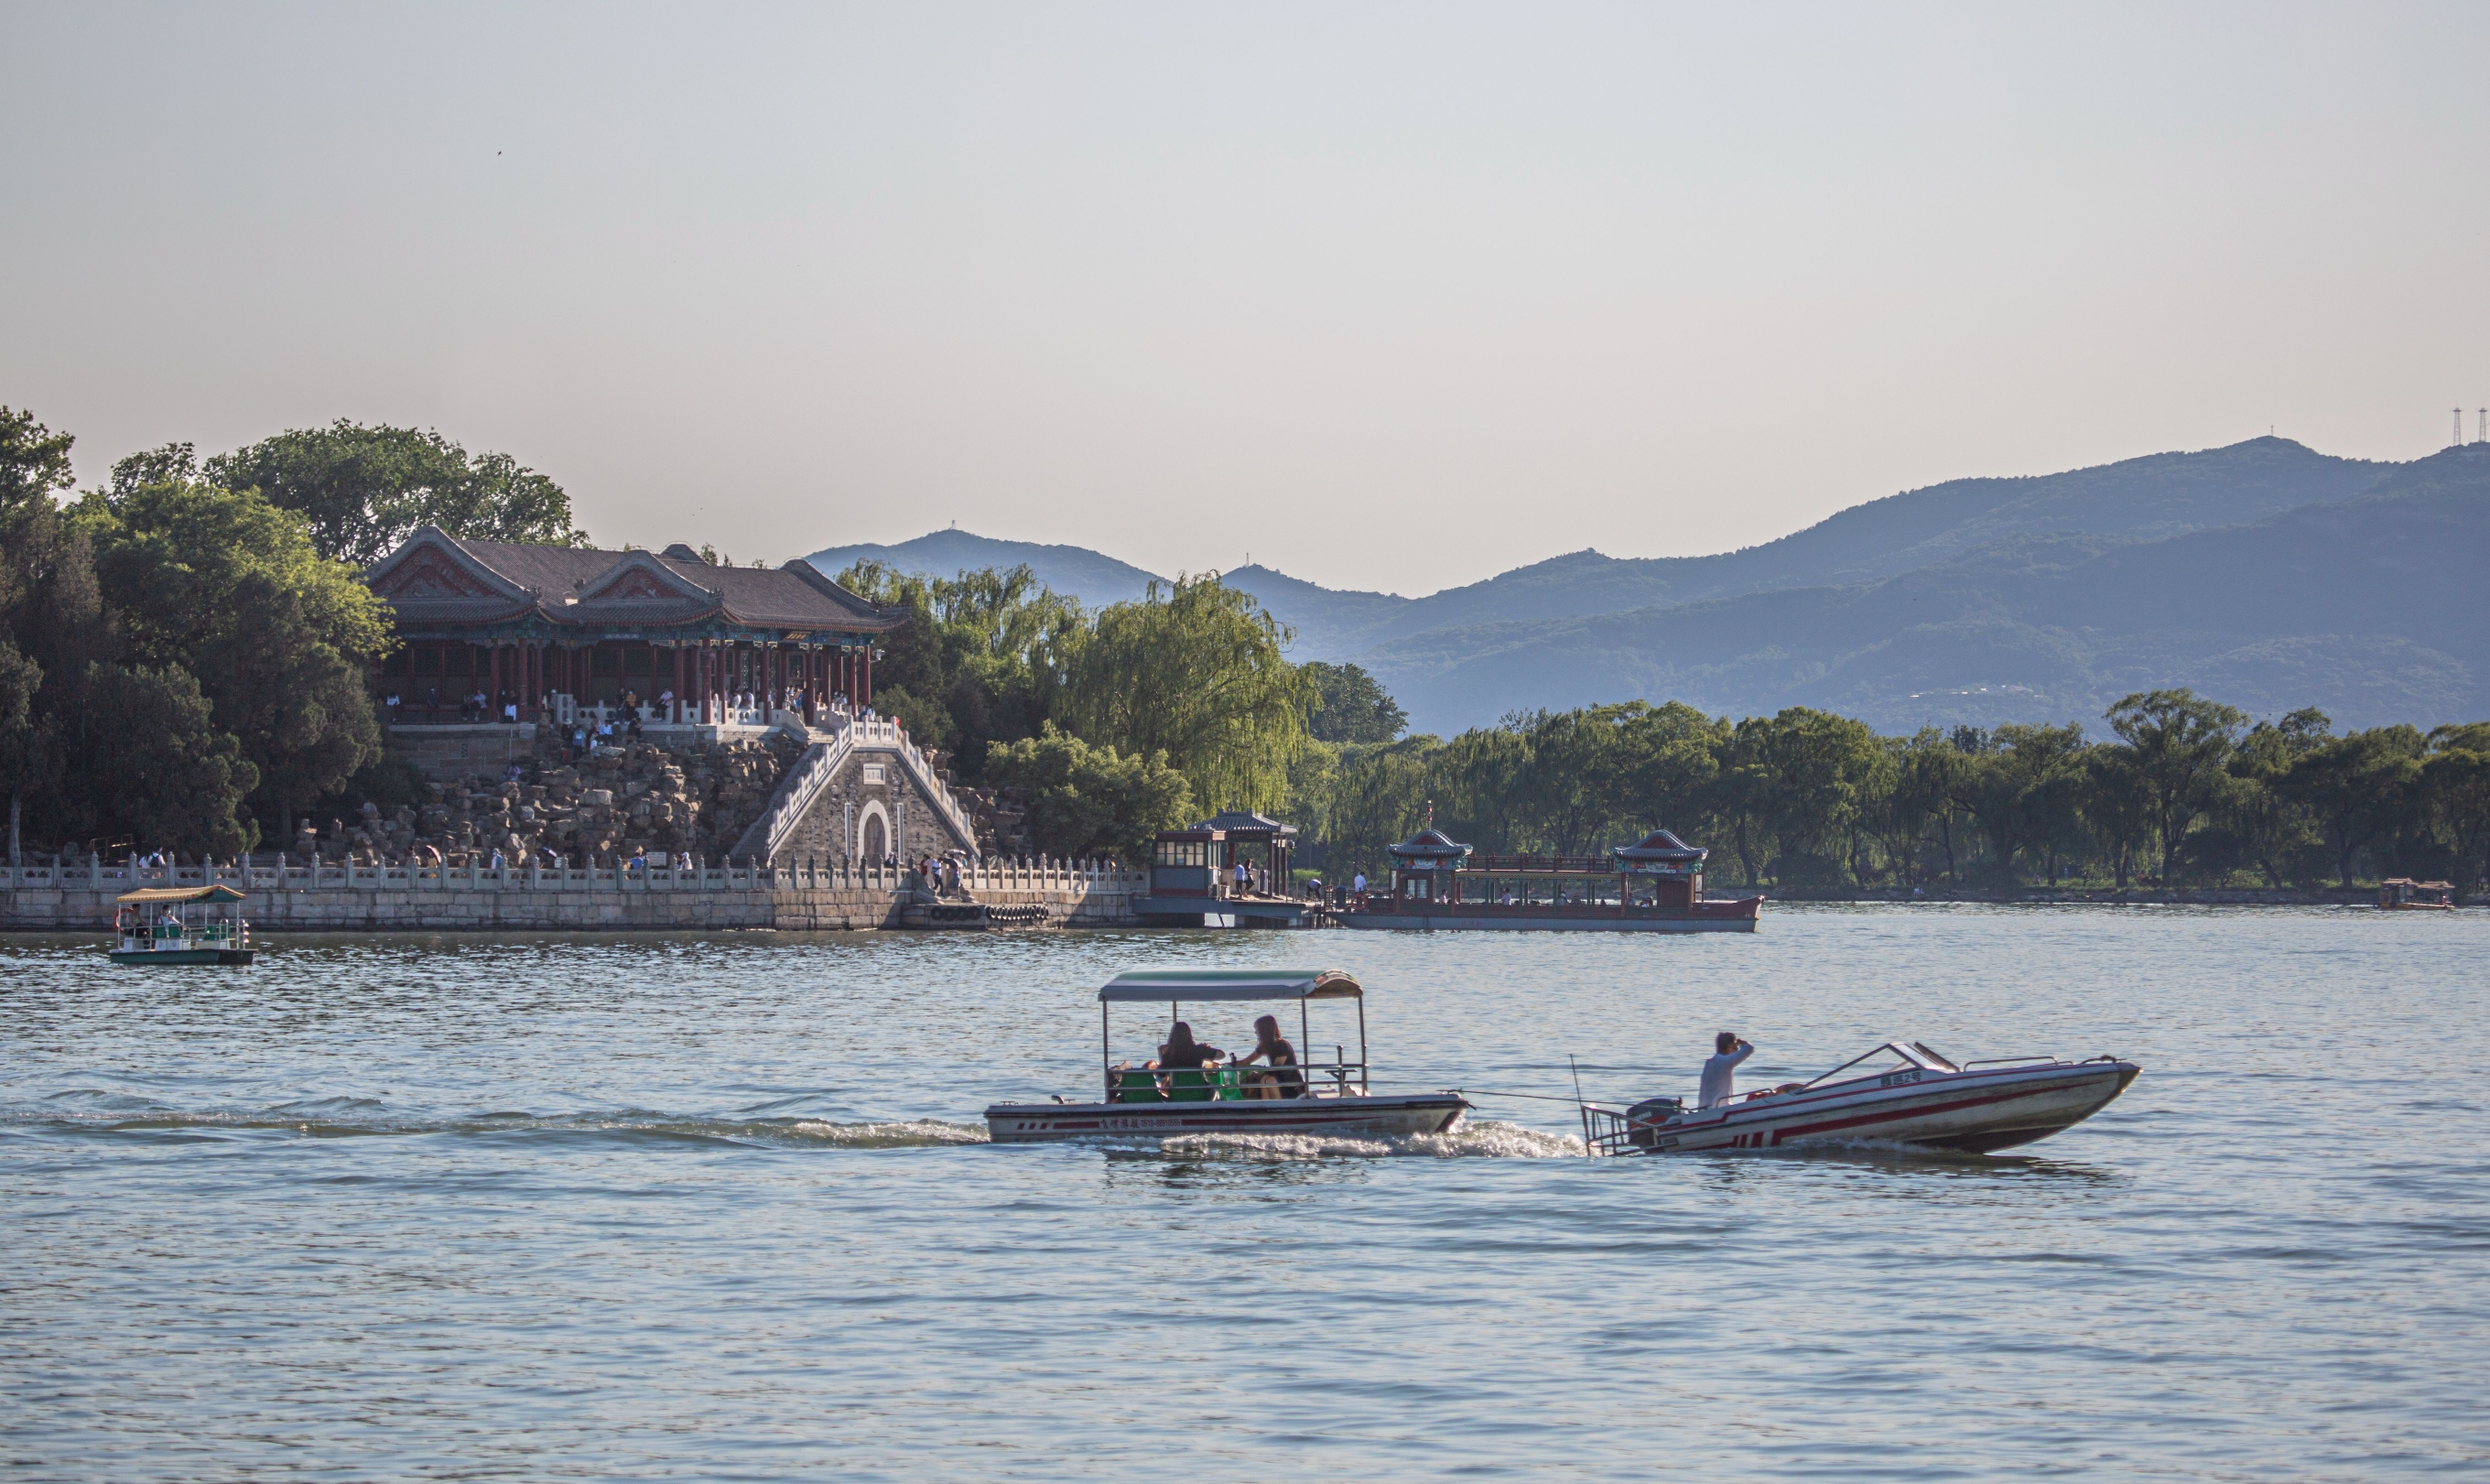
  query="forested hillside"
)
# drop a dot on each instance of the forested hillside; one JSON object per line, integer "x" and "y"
{"x": 2138, "y": 499}
{"x": 2369, "y": 608}
{"x": 1823, "y": 621}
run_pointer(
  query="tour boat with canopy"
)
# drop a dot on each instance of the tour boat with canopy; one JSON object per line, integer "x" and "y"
{"x": 1148, "y": 1102}
{"x": 1901, "y": 1092}
{"x": 174, "y": 925}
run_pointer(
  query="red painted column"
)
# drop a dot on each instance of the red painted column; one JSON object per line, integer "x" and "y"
{"x": 868, "y": 680}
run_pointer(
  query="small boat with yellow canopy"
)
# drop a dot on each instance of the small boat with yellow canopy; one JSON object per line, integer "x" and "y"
{"x": 175, "y": 925}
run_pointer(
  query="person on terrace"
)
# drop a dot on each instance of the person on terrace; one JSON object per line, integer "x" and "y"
{"x": 1273, "y": 1050}
{"x": 1721, "y": 1070}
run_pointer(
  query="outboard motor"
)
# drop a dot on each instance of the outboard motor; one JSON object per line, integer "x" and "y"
{"x": 1643, "y": 1119}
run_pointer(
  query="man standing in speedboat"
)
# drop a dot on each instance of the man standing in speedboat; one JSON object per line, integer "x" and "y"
{"x": 1720, "y": 1071}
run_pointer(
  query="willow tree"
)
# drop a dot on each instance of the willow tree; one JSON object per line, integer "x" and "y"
{"x": 1198, "y": 671}
{"x": 1379, "y": 796}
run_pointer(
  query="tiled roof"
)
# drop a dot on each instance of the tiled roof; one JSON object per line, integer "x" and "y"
{"x": 1427, "y": 843}
{"x": 435, "y": 578}
{"x": 1660, "y": 845}
{"x": 1245, "y": 819}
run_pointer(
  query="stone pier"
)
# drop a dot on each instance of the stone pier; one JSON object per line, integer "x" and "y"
{"x": 800, "y": 898}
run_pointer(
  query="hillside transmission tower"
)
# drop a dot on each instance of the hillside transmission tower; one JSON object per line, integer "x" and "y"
{"x": 2459, "y": 427}
{"x": 2482, "y": 424}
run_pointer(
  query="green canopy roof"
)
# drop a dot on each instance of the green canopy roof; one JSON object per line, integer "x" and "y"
{"x": 1201, "y": 984}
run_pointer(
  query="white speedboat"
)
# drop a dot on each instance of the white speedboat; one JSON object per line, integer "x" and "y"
{"x": 1900, "y": 1093}
{"x": 1148, "y": 1102}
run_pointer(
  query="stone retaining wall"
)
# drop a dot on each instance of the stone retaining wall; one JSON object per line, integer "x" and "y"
{"x": 400, "y": 898}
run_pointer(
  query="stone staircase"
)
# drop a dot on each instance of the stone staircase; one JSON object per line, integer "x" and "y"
{"x": 825, "y": 752}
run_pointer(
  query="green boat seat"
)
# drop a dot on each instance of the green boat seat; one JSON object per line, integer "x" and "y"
{"x": 1137, "y": 1087}
{"x": 1189, "y": 1086}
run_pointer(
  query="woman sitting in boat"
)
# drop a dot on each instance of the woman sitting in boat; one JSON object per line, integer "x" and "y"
{"x": 1282, "y": 1079}
{"x": 1183, "y": 1050}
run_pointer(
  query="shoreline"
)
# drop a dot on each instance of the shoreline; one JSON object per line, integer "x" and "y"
{"x": 2133, "y": 896}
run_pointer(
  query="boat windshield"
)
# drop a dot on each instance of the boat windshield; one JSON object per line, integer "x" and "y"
{"x": 1888, "y": 1058}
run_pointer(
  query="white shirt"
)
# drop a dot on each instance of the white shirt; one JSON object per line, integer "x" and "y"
{"x": 1721, "y": 1077}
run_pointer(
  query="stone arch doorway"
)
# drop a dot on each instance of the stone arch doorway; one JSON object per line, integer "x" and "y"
{"x": 873, "y": 833}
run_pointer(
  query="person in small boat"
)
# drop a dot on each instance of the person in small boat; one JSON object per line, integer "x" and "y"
{"x": 1183, "y": 1050}
{"x": 1273, "y": 1050}
{"x": 1720, "y": 1071}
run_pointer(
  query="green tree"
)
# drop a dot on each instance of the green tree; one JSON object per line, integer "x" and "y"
{"x": 979, "y": 661}
{"x": 1481, "y": 782}
{"x": 1352, "y": 706}
{"x": 1198, "y": 671}
{"x": 34, "y": 466}
{"x": 1743, "y": 794}
{"x": 2030, "y": 787}
{"x": 228, "y": 588}
{"x": 1378, "y": 796}
{"x": 2118, "y": 803}
{"x": 1919, "y": 770}
{"x": 25, "y": 750}
{"x": 157, "y": 768}
{"x": 1085, "y": 800}
{"x": 1577, "y": 775}
{"x": 52, "y": 611}
{"x": 1808, "y": 772}
{"x": 2455, "y": 795}
{"x": 1672, "y": 756}
{"x": 2360, "y": 789}
{"x": 34, "y": 462}
{"x": 2273, "y": 825}
{"x": 2176, "y": 740}
{"x": 362, "y": 490}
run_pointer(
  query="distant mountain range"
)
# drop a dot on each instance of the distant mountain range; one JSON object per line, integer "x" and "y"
{"x": 2265, "y": 573}
{"x": 1094, "y": 578}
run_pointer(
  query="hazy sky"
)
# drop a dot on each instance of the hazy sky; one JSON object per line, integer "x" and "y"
{"x": 1390, "y": 297}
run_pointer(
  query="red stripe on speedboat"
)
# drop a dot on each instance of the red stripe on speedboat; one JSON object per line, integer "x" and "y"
{"x": 1922, "y": 1110}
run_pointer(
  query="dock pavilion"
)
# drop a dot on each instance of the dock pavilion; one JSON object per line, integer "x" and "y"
{"x": 540, "y": 629}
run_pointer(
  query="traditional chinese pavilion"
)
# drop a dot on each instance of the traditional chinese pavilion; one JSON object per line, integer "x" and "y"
{"x": 1193, "y": 875}
{"x": 547, "y": 627}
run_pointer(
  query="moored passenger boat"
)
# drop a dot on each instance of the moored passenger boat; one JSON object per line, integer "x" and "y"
{"x": 169, "y": 927}
{"x": 1901, "y": 1092}
{"x": 2402, "y": 893}
{"x": 1653, "y": 886}
{"x": 1148, "y": 1101}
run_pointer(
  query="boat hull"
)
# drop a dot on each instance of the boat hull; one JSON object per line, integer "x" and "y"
{"x": 1973, "y": 1112}
{"x": 1427, "y": 1112}
{"x": 175, "y": 958}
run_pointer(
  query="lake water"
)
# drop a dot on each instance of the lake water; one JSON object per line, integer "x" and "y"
{"x": 720, "y": 1208}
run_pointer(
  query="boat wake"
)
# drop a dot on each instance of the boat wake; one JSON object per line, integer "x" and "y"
{"x": 344, "y": 1118}
{"x": 336, "y": 1118}
{"x": 1485, "y": 1139}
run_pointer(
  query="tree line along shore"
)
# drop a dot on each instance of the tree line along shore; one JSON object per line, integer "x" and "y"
{"x": 187, "y": 653}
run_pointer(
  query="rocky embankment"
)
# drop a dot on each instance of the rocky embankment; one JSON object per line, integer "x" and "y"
{"x": 632, "y": 798}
